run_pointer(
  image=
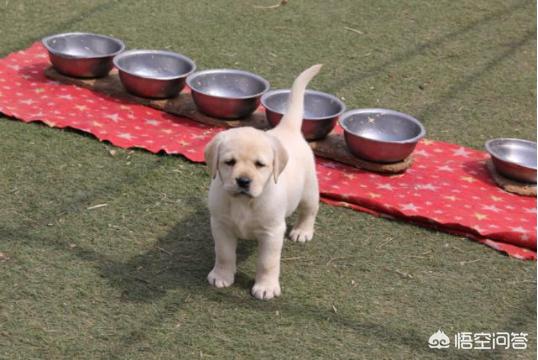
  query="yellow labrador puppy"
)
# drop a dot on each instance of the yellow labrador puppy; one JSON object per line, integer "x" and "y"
{"x": 260, "y": 178}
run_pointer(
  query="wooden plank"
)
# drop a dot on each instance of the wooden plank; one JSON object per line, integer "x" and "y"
{"x": 332, "y": 147}
{"x": 182, "y": 105}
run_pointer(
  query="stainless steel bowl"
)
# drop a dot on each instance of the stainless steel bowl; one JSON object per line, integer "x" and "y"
{"x": 153, "y": 73}
{"x": 514, "y": 158}
{"x": 381, "y": 135}
{"x": 83, "y": 55}
{"x": 321, "y": 111}
{"x": 227, "y": 93}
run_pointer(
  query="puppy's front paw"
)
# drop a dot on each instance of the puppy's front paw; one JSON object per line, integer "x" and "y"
{"x": 301, "y": 235}
{"x": 220, "y": 279}
{"x": 266, "y": 290}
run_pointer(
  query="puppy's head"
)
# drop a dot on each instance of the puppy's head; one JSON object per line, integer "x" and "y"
{"x": 245, "y": 159}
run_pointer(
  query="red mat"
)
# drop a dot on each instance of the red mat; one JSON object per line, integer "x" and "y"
{"x": 447, "y": 188}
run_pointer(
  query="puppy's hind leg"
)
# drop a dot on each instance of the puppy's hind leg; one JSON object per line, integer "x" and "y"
{"x": 303, "y": 230}
{"x": 223, "y": 272}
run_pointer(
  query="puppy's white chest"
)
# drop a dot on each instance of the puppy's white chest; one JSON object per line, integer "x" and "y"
{"x": 244, "y": 221}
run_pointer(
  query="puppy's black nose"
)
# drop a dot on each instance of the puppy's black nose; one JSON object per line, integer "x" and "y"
{"x": 243, "y": 182}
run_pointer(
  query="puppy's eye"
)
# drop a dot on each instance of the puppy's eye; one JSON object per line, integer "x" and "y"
{"x": 259, "y": 164}
{"x": 230, "y": 162}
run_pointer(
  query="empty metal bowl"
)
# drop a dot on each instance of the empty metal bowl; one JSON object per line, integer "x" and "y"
{"x": 227, "y": 93}
{"x": 153, "y": 73}
{"x": 83, "y": 55}
{"x": 380, "y": 135}
{"x": 514, "y": 158}
{"x": 321, "y": 111}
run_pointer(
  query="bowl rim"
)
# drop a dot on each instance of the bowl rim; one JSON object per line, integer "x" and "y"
{"x": 46, "y": 39}
{"x": 179, "y": 56}
{"x": 414, "y": 139}
{"x": 308, "y": 91}
{"x": 491, "y": 150}
{"x": 193, "y": 76}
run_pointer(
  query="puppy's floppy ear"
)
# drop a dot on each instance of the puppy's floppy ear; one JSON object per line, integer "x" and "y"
{"x": 211, "y": 154}
{"x": 280, "y": 158}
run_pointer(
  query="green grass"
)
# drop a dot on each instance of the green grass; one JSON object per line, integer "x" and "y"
{"x": 127, "y": 281}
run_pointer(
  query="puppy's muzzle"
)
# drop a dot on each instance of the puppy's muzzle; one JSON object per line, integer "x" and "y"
{"x": 243, "y": 182}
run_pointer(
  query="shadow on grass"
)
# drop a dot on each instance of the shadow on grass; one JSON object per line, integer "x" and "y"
{"x": 181, "y": 260}
{"x": 419, "y": 49}
{"x": 520, "y": 321}
{"x": 460, "y": 86}
{"x": 66, "y": 25}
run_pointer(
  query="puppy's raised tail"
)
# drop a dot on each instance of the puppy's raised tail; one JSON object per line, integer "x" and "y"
{"x": 293, "y": 118}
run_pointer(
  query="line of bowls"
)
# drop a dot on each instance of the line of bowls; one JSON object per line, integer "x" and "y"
{"x": 378, "y": 135}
